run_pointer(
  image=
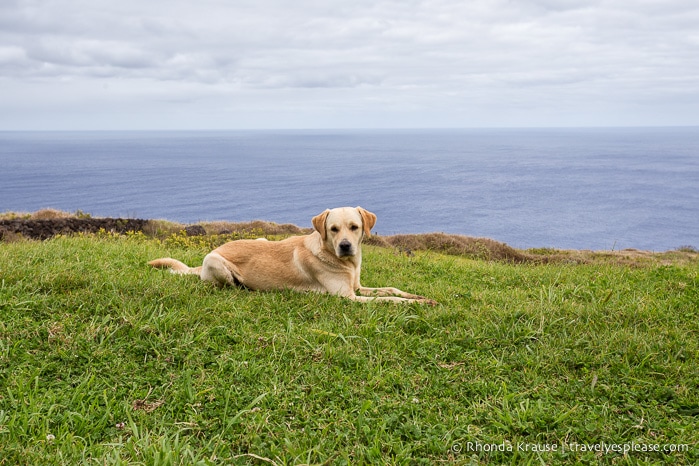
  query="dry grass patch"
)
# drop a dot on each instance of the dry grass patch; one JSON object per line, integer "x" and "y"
{"x": 266, "y": 228}
{"x": 457, "y": 245}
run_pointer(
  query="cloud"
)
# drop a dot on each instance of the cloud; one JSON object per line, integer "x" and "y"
{"x": 441, "y": 61}
{"x": 12, "y": 55}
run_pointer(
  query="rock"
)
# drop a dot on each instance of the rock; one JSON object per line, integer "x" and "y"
{"x": 195, "y": 230}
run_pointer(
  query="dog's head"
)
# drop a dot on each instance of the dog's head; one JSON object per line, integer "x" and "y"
{"x": 342, "y": 229}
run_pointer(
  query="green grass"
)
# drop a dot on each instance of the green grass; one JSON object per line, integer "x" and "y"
{"x": 104, "y": 360}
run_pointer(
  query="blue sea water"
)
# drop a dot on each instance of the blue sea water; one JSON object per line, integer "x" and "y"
{"x": 610, "y": 188}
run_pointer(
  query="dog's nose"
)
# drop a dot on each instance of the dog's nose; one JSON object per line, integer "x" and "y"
{"x": 345, "y": 246}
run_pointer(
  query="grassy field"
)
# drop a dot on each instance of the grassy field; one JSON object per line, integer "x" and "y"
{"x": 106, "y": 361}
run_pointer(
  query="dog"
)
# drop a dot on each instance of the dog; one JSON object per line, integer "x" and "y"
{"x": 328, "y": 260}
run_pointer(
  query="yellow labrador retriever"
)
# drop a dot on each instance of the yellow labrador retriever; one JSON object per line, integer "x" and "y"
{"x": 327, "y": 261}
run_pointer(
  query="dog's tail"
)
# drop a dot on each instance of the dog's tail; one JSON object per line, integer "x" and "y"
{"x": 175, "y": 266}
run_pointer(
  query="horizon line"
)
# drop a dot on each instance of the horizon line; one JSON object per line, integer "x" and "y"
{"x": 358, "y": 128}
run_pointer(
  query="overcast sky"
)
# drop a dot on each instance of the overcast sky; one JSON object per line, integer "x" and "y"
{"x": 229, "y": 64}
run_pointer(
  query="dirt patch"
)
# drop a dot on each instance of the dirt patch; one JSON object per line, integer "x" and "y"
{"x": 46, "y": 228}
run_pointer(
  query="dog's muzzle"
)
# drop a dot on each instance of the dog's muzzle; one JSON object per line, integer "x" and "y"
{"x": 345, "y": 248}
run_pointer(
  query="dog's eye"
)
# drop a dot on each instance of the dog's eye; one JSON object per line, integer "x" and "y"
{"x": 354, "y": 228}
{"x": 334, "y": 229}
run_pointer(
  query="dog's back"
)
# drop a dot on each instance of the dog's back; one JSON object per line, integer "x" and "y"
{"x": 259, "y": 265}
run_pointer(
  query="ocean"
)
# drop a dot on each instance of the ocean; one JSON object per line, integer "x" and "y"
{"x": 602, "y": 189}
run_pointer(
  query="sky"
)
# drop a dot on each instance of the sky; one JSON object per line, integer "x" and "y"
{"x": 239, "y": 64}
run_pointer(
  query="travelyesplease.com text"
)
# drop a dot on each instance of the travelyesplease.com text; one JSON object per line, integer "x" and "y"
{"x": 605, "y": 448}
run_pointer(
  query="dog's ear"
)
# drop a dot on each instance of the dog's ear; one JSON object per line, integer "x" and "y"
{"x": 368, "y": 220}
{"x": 319, "y": 223}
